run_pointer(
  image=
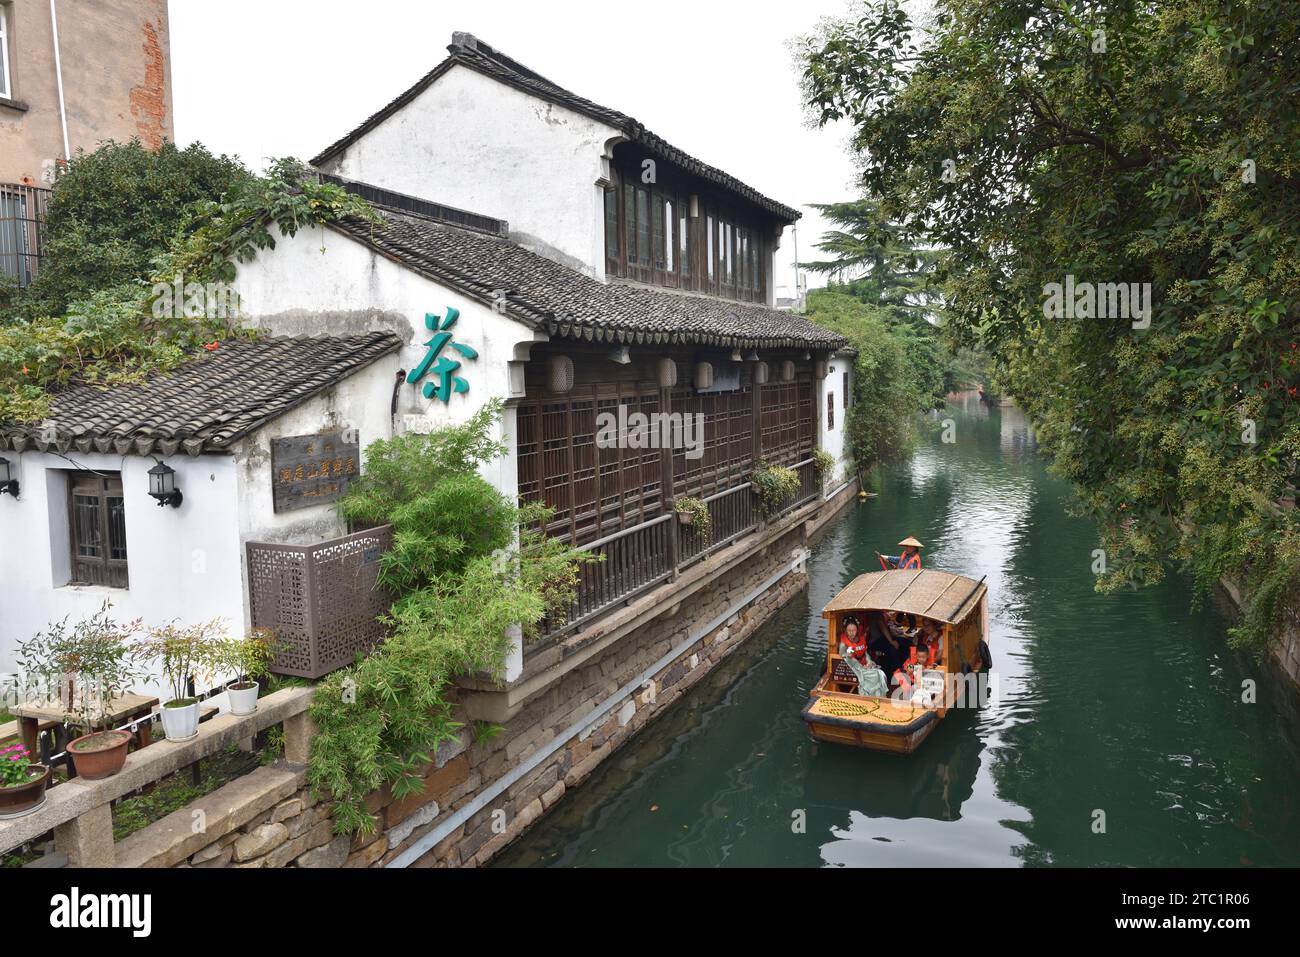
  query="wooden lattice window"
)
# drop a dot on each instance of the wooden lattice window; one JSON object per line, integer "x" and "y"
{"x": 593, "y": 490}
{"x": 728, "y": 442}
{"x": 97, "y": 518}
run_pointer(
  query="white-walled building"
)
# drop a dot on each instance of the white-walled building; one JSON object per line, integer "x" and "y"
{"x": 531, "y": 246}
{"x": 84, "y": 529}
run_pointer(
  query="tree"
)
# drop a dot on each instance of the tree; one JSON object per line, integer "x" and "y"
{"x": 868, "y": 245}
{"x": 891, "y": 381}
{"x": 115, "y": 209}
{"x": 1127, "y": 142}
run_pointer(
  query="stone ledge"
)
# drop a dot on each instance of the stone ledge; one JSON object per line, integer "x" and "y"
{"x": 168, "y": 842}
{"x": 74, "y": 798}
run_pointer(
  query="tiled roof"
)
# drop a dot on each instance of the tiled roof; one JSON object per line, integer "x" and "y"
{"x": 471, "y": 52}
{"x": 566, "y": 303}
{"x": 203, "y": 405}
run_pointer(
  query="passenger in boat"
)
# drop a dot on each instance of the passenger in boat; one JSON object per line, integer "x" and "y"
{"x": 929, "y": 642}
{"x": 853, "y": 649}
{"x": 888, "y": 646}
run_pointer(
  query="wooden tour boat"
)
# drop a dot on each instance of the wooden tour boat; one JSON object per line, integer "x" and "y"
{"x": 955, "y": 606}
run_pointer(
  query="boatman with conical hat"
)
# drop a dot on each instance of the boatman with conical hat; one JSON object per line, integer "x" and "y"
{"x": 911, "y": 557}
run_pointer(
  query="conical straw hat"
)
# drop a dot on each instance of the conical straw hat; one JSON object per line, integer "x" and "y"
{"x": 911, "y": 542}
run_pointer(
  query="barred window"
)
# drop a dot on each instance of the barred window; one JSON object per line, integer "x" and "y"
{"x": 98, "y": 525}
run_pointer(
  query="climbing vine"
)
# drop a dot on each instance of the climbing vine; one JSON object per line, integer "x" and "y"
{"x": 112, "y": 334}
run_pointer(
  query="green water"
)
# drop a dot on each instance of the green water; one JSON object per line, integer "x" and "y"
{"x": 1129, "y": 705}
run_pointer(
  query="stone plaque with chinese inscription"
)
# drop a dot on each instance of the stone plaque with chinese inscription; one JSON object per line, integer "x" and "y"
{"x": 313, "y": 469}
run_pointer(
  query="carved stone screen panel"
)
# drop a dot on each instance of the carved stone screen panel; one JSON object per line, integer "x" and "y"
{"x": 321, "y": 601}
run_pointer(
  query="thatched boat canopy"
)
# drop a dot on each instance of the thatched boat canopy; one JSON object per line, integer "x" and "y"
{"x": 940, "y": 596}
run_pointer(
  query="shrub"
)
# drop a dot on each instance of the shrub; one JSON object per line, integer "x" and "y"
{"x": 466, "y": 566}
{"x": 775, "y": 485}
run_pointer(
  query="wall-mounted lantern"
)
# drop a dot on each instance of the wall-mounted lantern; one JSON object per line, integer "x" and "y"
{"x": 7, "y": 482}
{"x": 162, "y": 486}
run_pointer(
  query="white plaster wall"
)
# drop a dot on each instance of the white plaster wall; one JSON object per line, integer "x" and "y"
{"x": 834, "y": 440}
{"x": 183, "y": 562}
{"x": 480, "y": 145}
{"x": 325, "y": 282}
{"x": 360, "y": 402}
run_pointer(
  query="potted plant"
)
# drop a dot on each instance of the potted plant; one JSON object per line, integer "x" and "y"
{"x": 22, "y": 782}
{"x": 823, "y": 462}
{"x": 185, "y": 654}
{"x": 84, "y": 668}
{"x": 694, "y": 513}
{"x": 250, "y": 659}
{"x": 775, "y": 486}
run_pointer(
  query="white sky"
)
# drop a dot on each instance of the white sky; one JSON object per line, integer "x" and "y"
{"x": 268, "y": 78}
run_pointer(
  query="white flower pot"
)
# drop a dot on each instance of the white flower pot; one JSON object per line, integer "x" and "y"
{"x": 243, "y": 700}
{"x": 180, "y": 724}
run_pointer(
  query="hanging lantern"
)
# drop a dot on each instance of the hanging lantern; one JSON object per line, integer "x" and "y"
{"x": 559, "y": 373}
{"x": 760, "y": 373}
{"x": 819, "y": 369}
{"x": 667, "y": 373}
{"x": 703, "y": 375}
{"x": 787, "y": 370}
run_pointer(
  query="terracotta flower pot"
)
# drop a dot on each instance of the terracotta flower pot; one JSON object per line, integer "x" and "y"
{"x": 99, "y": 755}
{"x": 243, "y": 697}
{"x": 24, "y": 798}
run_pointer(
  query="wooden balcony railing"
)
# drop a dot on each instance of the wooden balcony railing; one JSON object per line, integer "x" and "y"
{"x": 638, "y": 558}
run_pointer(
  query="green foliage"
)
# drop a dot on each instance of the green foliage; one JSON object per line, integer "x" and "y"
{"x": 248, "y": 658}
{"x": 88, "y": 317}
{"x": 1003, "y": 134}
{"x": 485, "y": 731}
{"x": 460, "y": 587}
{"x": 886, "y": 267}
{"x": 106, "y": 339}
{"x": 701, "y": 522}
{"x": 16, "y": 766}
{"x": 84, "y": 666}
{"x": 887, "y": 388}
{"x": 183, "y": 652}
{"x": 775, "y": 486}
{"x": 823, "y": 462}
{"x": 289, "y": 197}
{"x": 112, "y": 211}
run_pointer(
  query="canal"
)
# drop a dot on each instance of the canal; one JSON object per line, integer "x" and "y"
{"x": 1118, "y": 734}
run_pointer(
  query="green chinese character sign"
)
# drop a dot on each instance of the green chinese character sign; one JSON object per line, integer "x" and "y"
{"x": 443, "y": 367}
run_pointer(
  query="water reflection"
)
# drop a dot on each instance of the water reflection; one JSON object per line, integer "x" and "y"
{"x": 1125, "y": 704}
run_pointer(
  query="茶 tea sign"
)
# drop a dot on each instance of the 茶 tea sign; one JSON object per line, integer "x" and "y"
{"x": 313, "y": 469}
